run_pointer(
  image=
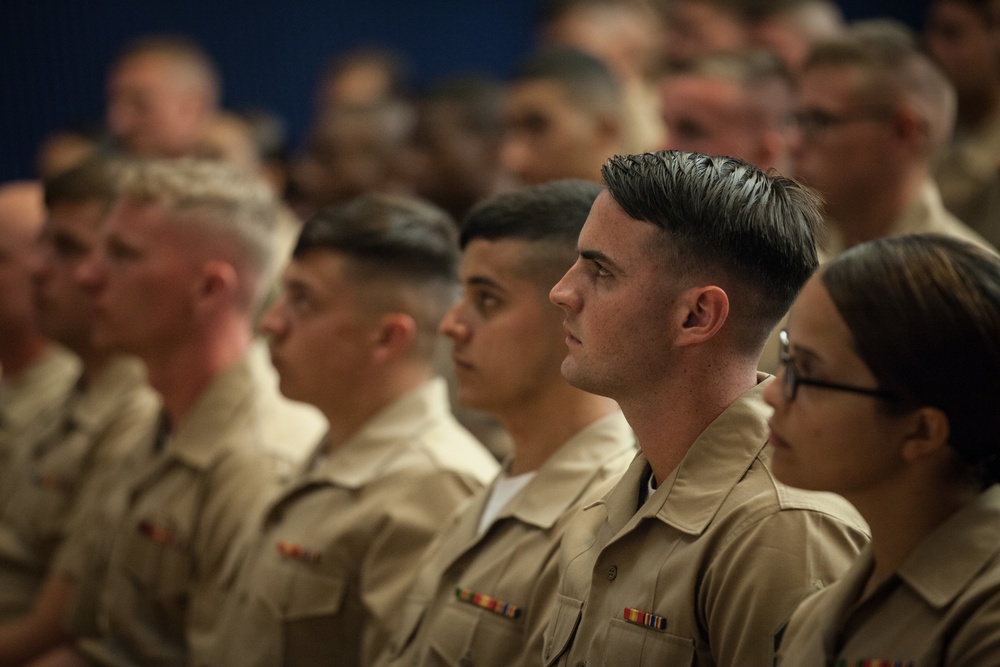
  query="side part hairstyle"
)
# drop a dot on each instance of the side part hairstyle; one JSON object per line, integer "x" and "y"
{"x": 727, "y": 221}
{"x": 402, "y": 252}
{"x": 924, "y": 313}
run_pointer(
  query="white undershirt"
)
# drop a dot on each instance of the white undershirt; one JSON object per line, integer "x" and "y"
{"x": 504, "y": 489}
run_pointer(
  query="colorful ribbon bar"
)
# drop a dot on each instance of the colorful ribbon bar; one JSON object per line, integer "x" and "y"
{"x": 645, "y": 618}
{"x": 488, "y": 603}
{"x": 52, "y": 482}
{"x": 296, "y": 552}
{"x": 157, "y": 534}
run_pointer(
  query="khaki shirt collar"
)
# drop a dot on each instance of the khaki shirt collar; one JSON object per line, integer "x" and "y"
{"x": 24, "y": 398}
{"x": 568, "y": 472}
{"x": 121, "y": 377}
{"x": 975, "y": 530}
{"x": 691, "y": 496}
{"x": 367, "y": 454}
{"x": 202, "y": 436}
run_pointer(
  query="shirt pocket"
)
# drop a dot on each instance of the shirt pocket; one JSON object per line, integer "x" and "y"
{"x": 634, "y": 645}
{"x": 413, "y": 613}
{"x": 466, "y": 634}
{"x": 559, "y": 634}
{"x": 157, "y": 560}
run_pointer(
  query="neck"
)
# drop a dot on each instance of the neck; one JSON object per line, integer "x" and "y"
{"x": 540, "y": 427}
{"x": 901, "y": 515}
{"x": 376, "y": 392}
{"x": 93, "y": 362}
{"x": 19, "y": 354}
{"x": 874, "y": 215}
{"x": 668, "y": 419}
{"x": 974, "y": 109}
{"x": 184, "y": 372}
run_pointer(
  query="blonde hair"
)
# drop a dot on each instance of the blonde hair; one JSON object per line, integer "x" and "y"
{"x": 236, "y": 211}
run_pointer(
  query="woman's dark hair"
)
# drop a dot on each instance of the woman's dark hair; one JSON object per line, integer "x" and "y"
{"x": 924, "y": 312}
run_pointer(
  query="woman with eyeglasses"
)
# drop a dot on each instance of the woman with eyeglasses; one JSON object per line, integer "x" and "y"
{"x": 889, "y": 395}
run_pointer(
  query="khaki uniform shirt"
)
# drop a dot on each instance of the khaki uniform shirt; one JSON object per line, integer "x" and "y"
{"x": 482, "y": 598}
{"x": 67, "y": 474}
{"x": 969, "y": 178}
{"x": 31, "y": 406}
{"x": 338, "y": 548}
{"x": 924, "y": 215}
{"x": 709, "y": 568}
{"x": 185, "y": 510}
{"x": 942, "y": 607}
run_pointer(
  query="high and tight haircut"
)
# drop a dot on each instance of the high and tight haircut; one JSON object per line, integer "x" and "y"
{"x": 924, "y": 315}
{"x": 588, "y": 82}
{"x": 895, "y": 71}
{"x": 553, "y": 211}
{"x": 95, "y": 179}
{"x": 181, "y": 50}
{"x": 722, "y": 214}
{"x": 405, "y": 247}
{"x": 218, "y": 200}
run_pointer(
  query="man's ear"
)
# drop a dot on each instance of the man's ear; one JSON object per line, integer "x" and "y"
{"x": 218, "y": 281}
{"x": 707, "y": 309}
{"x": 928, "y": 435}
{"x": 910, "y": 126}
{"x": 393, "y": 336}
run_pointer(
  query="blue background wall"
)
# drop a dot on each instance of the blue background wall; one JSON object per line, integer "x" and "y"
{"x": 53, "y": 53}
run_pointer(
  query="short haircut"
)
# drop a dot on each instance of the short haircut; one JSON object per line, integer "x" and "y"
{"x": 477, "y": 100}
{"x": 182, "y": 51}
{"x": 753, "y": 71}
{"x": 404, "y": 248}
{"x": 896, "y": 72}
{"x": 220, "y": 201}
{"x": 722, "y": 215}
{"x": 588, "y": 82}
{"x": 549, "y": 215}
{"x": 986, "y": 9}
{"x": 924, "y": 314}
{"x": 94, "y": 179}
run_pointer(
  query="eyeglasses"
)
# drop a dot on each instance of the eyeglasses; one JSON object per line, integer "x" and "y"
{"x": 791, "y": 380}
{"x": 816, "y": 123}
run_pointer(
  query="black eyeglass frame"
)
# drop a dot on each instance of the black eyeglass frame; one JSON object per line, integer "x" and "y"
{"x": 791, "y": 381}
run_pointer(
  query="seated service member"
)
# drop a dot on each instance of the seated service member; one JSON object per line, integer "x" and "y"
{"x": 484, "y": 590}
{"x": 696, "y": 556}
{"x": 912, "y": 445}
{"x": 59, "y": 478}
{"x": 186, "y": 257}
{"x": 354, "y": 334}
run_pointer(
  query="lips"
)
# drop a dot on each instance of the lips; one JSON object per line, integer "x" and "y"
{"x": 775, "y": 440}
{"x": 461, "y": 364}
{"x": 570, "y": 338}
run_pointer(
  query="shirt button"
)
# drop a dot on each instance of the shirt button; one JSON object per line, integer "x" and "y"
{"x": 466, "y": 661}
{"x": 612, "y": 572}
{"x": 582, "y": 663}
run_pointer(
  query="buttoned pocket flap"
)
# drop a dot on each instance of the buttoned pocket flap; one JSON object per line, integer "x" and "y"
{"x": 634, "y": 645}
{"x": 162, "y": 567}
{"x": 314, "y": 594}
{"x": 561, "y": 629}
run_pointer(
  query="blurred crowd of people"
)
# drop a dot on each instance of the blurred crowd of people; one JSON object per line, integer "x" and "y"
{"x": 478, "y": 366}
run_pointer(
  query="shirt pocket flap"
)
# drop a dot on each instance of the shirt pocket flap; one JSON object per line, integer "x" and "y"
{"x": 162, "y": 567}
{"x": 313, "y": 594}
{"x": 560, "y": 632}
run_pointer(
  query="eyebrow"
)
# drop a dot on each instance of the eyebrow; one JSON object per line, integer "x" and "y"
{"x": 482, "y": 281}
{"x": 597, "y": 255}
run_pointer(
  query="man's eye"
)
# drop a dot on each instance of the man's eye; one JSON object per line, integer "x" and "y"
{"x": 485, "y": 302}
{"x": 600, "y": 271}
